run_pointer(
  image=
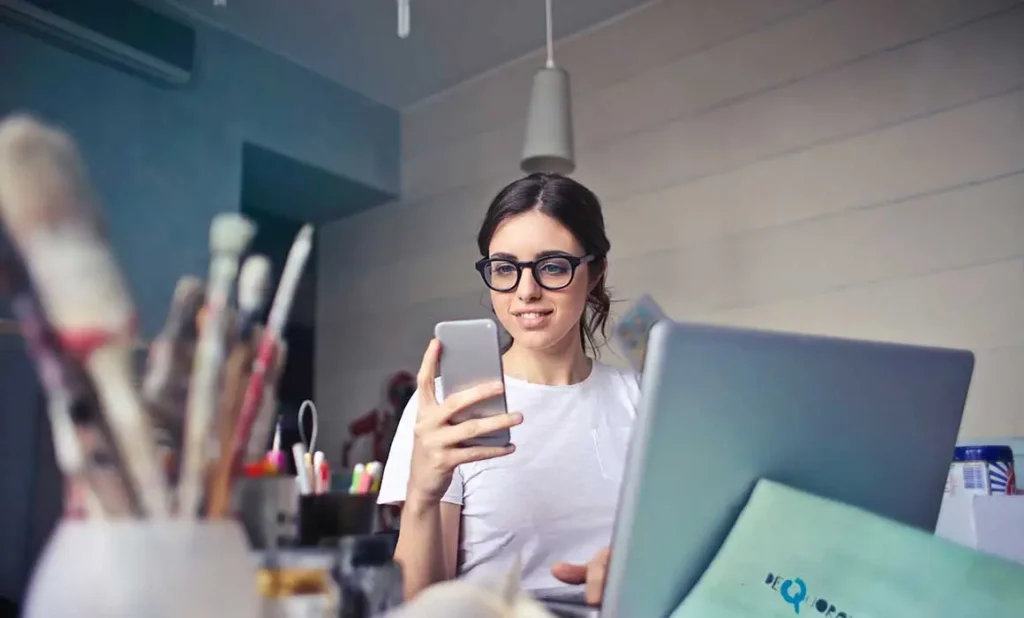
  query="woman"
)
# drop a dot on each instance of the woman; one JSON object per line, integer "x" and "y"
{"x": 549, "y": 500}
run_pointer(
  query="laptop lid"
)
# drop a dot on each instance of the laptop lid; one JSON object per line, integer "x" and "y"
{"x": 869, "y": 424}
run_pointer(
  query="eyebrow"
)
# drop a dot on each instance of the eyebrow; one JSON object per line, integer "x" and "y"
{"x": 541, "y": 255}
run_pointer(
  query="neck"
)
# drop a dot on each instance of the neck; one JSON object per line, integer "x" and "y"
{"x": 560, "y": 365}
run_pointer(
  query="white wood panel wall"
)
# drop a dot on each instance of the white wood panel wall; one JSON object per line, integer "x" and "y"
{"x": 849, "y": 167}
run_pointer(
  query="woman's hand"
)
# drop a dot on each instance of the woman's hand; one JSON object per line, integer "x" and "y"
{"x": 436, "y": 451}
{"x": 592, "y": 574}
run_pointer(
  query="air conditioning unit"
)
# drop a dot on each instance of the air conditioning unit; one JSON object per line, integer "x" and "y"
{"x": 120, "y": 33}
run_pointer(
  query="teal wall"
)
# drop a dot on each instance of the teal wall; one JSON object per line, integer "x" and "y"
{"x": 164, "y": 162}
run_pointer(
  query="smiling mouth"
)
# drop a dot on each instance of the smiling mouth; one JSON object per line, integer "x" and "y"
{"x": 531, "y": 314}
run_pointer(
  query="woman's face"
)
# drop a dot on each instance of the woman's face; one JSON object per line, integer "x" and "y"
{"x": 538, "y": 318}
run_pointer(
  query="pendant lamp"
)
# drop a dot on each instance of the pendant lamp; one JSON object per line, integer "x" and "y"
{"x": 403, "y": 19}
{"x": 549, "y": 141}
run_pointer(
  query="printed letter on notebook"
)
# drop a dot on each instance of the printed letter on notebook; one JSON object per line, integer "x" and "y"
{"x": 795, "y": 554}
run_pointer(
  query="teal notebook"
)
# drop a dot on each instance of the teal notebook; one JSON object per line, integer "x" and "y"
{"x": 795, "y": 554}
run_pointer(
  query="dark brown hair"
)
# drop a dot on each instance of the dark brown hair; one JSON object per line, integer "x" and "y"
{"x": 578, "y": 209}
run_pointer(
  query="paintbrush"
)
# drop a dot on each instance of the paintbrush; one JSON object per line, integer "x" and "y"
{"x": 104, "y": 475}
{"x": 263, "y": 426}
{"x": 279, "y": 310}
{"x": 51, "y": 216}
{"x": 229, "y": 464}
{"x": 168, "y": 366}
{"x": 68, "y": 450}
{"x": 236, "y": 376}
{"x": 230, "y": 234}
{"x": 81, "y": 444}
{"x": 253, "y": 288}
{"x": 253, "y": 284}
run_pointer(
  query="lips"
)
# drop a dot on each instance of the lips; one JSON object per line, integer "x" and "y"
{"x": 532, "y": 319}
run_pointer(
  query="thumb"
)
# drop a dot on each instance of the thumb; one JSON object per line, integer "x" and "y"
{"x": 570, "y": 573}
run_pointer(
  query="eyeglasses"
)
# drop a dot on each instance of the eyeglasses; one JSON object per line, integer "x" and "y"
{"x": 553, "y": 272}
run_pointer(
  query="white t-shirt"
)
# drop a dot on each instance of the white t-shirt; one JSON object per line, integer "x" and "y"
{"x": 554, "y": 498}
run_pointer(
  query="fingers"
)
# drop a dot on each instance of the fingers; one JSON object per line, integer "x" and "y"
{"x": 444, "y": 459}
{"x": 570, "y": 573}
{"x": 457, "y": 402}
{"x": 472, "y": 428}
{"x": 596, "y": 571}
{"x": 592, "y": 574}
{"x": 425, "y": 377}
{"x": 478, "y": 453}
{"x": 454, "y": 403}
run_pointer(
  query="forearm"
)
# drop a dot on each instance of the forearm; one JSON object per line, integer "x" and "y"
{"x": 421, "y": 547}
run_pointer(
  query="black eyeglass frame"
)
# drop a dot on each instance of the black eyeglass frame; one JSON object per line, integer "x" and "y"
{"x": 574, "y": 263}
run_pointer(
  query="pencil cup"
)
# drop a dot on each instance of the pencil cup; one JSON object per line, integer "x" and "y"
{"x": 269, "y": 509}
{"x": 334, "y": 515}
{"x": 136, "y": 568}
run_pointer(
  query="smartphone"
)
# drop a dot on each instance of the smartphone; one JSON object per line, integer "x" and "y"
{"x": 469, "y": 356}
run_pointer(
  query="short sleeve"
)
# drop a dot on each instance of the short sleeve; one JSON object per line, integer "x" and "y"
{"x": 394, "y": 484}
{"x": 633, "y": 388}
{"x": 628, "y": 385}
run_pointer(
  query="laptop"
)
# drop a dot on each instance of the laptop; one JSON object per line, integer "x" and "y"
{"x": 869, "y": 424}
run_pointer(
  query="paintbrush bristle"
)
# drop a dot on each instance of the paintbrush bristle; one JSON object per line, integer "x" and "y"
{"x": 231, "y": 233}
{"x": 253, "y": 282}
{"x": 189, "y": 294}
{"x": 50, "y": 211}
{"x": 42, "y": 177}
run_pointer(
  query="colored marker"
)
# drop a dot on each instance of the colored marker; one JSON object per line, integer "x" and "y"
{"x": 357, "y": 474}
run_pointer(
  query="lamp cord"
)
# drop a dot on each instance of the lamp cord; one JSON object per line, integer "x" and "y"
{"x": 551, "y": 46}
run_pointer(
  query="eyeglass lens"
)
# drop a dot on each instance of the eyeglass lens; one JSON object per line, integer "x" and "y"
{"x": 551, "y": 272}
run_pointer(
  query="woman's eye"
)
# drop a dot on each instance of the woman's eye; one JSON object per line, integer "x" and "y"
{"x": 554, "y": 269}
{"x": 503, "y": 269}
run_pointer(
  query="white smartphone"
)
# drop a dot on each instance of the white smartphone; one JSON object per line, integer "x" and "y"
{"x": 469, "y": 356}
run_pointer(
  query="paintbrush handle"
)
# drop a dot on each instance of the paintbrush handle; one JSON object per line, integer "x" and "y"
{"x": 201, "y": 405}
{"x": 220, "y": 487}
{"x": 134, "y": 435}
{"x": 235, "y": 384}
{"x": 104, "y": 472}
{"x": 262, "y": 366}
{"x": 165, "y": 386}
{"x": 69, "y": 452}
{"x": 201, "y": 411}
{"x": 170, "y": 355}
{"x": 290, "y": 277}
{"x": 230, "y": 234}
{"x": 263, "y": 428}
{"x": 50, "y": 211}
{"x": 251, "y": 402}
{"x": 75, "y": 457}
{"x": 248, "y": 439}
{"x": 260, "y": 432}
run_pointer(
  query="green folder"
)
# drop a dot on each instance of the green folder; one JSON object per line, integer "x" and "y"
{"x": 795, "y": 554}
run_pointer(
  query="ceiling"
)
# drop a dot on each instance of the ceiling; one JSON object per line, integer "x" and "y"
{"x": 355, "y": 42}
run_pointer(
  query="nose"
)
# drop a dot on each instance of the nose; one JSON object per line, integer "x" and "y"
{"x": 528, "y": 289}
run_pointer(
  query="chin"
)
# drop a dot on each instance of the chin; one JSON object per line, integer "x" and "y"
{"x": 538, "y": 339}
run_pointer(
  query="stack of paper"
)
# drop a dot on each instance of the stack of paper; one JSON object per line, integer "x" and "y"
{"x": 991, "y": 524}
{"x": 795, "y": 554}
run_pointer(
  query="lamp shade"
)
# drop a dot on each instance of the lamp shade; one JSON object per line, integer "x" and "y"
{"x": 549, "y": 140}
